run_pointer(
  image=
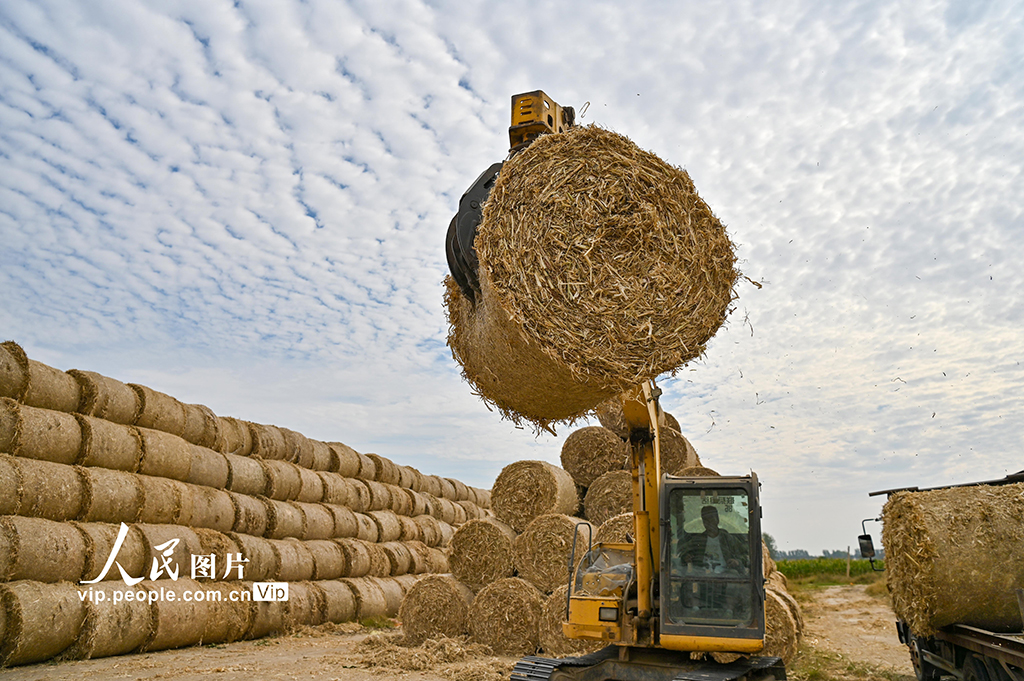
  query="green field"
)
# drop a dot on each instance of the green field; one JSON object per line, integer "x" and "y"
{"x": 798, "y": 569}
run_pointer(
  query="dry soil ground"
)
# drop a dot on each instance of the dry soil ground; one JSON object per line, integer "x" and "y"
{"x": 850, "y": 635}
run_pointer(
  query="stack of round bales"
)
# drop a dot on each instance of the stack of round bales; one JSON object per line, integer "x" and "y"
{"x": 100, "y": 480}
{"x": 599, "y": 267}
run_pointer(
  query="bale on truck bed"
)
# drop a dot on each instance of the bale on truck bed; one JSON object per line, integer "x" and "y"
{"x": 600, "y": 267}
{"x": 956, "y": 556}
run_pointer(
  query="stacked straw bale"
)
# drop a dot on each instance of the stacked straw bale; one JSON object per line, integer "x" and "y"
{"x": 588, "y": 453}
{"x": 585, "y": 247}
{"x": 955, "y": 556}
{"x": 527, "y": 489}
{"x": 87, "y": 461}
{"x": 506, "y": 616}
{"x": 437, "y": 605}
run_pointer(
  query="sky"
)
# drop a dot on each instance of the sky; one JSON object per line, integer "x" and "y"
{"x": 243, "y": 204}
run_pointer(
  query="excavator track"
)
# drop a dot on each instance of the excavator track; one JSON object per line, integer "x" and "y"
{"x": 604, "y": 665}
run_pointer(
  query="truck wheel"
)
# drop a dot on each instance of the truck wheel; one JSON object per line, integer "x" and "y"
{"x": 923, "y": 670}
{"x": 974, "y": 669}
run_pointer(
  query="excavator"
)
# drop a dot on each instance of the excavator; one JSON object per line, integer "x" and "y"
{"x": 684, "y": 600}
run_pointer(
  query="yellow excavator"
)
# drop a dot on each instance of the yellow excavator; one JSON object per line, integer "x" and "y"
{"x": 691, "y": 580}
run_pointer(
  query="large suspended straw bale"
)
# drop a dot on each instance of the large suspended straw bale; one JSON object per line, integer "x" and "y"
{"x": 235, "y": 437}
{"x": 527, "y": 489}
{"x": 41, "y": 620}
{"x": 112, "y": 496}
{"x": 590, "y": 452}
{"x": 676, "y": 452}
{"x": 506, "y": 615}
{"x": 617, "y": 529}
{"x": 955, "y": 555}
{"x": 13, "y": 370}
{"x": 437, "y": 605}
{"x": 177, "y": 621}
{"x": 780, "y": 632}
{"x": 109, "y": 445}
{"x": 610, "y": 495}
{"x": 50, "y": 388}
{"x": 107, "y": 398}
{"x": 118, "y": 619}
{"x": 541, "y": 553}
{"x": 600, "y": 267}
{"x": 164, "y": 455}
{"x": 39, "y": 549}
{"x": 697, "y": 472}
{"x": 50, "y": 490}
{"x": 481, "y": 552}
{"x": 100, "y": 539}
{"x": 41, "y": 434}
{"x": 552, "y": 641}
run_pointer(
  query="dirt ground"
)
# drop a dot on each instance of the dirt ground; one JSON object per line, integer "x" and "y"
{"x": 842, "y": 622}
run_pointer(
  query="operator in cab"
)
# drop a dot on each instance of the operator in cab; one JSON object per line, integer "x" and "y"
{"x": 714, "y": 549}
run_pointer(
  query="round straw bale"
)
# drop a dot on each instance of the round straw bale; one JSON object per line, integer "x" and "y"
{"x": 385, "y": 469}
{"x": 319, "y": 521}
{"x": 527, "y": 489}
{"x": 345, "y": 523}
{"x": 778, "y": 580}
{"x": 247, "y": 476}
{"x": 337, "y": 489}
{"x": 112, "y": 496}
{"x": 235, "y": 436}
{"x": 368, "y": 529}
{"x": 780, "y": 634}
{"x": 250, "y": 514}
{"x": 481, "y": 552}
{"x": 401, "y": 502}
{"x": 13, "y": 370}
{"x": 448, "y": 489}
{"x": 177, "y": 621}
{"x": 794, "y": 607}
{"x": 590, "y": 452}
{"x": 230, "y": 611}
{"x": 284, "y": 480}
{"x": 459, "y": 490}
{"x": 41, "y": 434}
{"x": 306, "y": 605}
{"x": 41, "y": 620}
{"x": 323, "y": 456}
{"x": 408, "y": 477}
{"x": 430, "y": 529}
{"x": 410, "y": 529}
{"x": 40, "y": 549}
{"x": 159, "y": 411}
{"x": 768, "y": 565}
{"x": 399, "y": 557}
{"x": 483, "y": 497}
{"x": 345, "y": 461}
{"x": 446, "y": 511}
{"x": 360, "y": 495}
{"x": 437, "y": 605}
{"x": 697, "y": 472}
{"x": 299, "y": 447}
{"x": 676, "y": 452}
{"x": 458, "y": 513}
{"x": 552, "y": 641}
{"x": 50, "y": 490}
{"x": 421, "y": 561}
{"x": 609, "y": 495}
{"x": 109, "y": 445}
{"x": 10, "y": 425}
{"x": 262, "y": 561}
{"x": 367, "y": 468}
{"x": 107, "y": 398}
{"x": 672, "y": 422}
{"x": 212, "y": 509}
{"x": 339, "y": 601}
{"x": 357, "y": 557}
{"x": 506, "y": 615}
{"x": 418, "y": 504}
{"x": 541, "y": 553}
{"x": 431, "y": 484}
{"x": 10, "y": 485}
{"x": 220, "y": 546}
{"x": 616, "y": 530}
{"x": 164, "y": 455}
{"x": 269, "y": 617}
{"x": 208, "y": 468}
{"x": 380, "y": 565}
{"x": 437, "y": 560}
{"x": 50, "y": 388}
{"x": 267, "y": 442}
{"x": 164, "y": 501}
{"x": 294, "y": 561}
{"x": 605, "y": 311}
{"x": 393, "y": 593}
{"x": 370, "y": 599}
{"x": 100, "y": 539}
{"x": 935, "y": 577}
{"x": 195, "y": 423}
{"x": 446, "y": 532}
{"x": 284, "y": 520}
{"x": 328, "y": 559}
{"x": 209, "y": 436}
{"x": 118, "y": 619}
{"x": 407, "y": 582}
{"x": 172, "y": 545}
{"x": 380, "y": 495}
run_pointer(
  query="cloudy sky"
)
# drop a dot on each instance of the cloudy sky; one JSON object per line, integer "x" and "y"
{"x": 243, "y": 204}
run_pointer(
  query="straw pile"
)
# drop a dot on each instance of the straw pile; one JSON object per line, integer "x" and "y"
{"x": 609, "y": 496}
{"x": 600, "y": 267}
{"x": 956, "y": 555}
{"x": 481, "y": 552}
{"x": 781, "y": 638}
{"x": 589, "y": 453}
{"x": 541, "y": 553}
{"x": 527, "y": 489}
{"x": 437, "y": 605}
{"x": 506, "y": 615}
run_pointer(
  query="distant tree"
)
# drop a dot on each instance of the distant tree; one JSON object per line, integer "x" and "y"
{"x": 769, "y": 541}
